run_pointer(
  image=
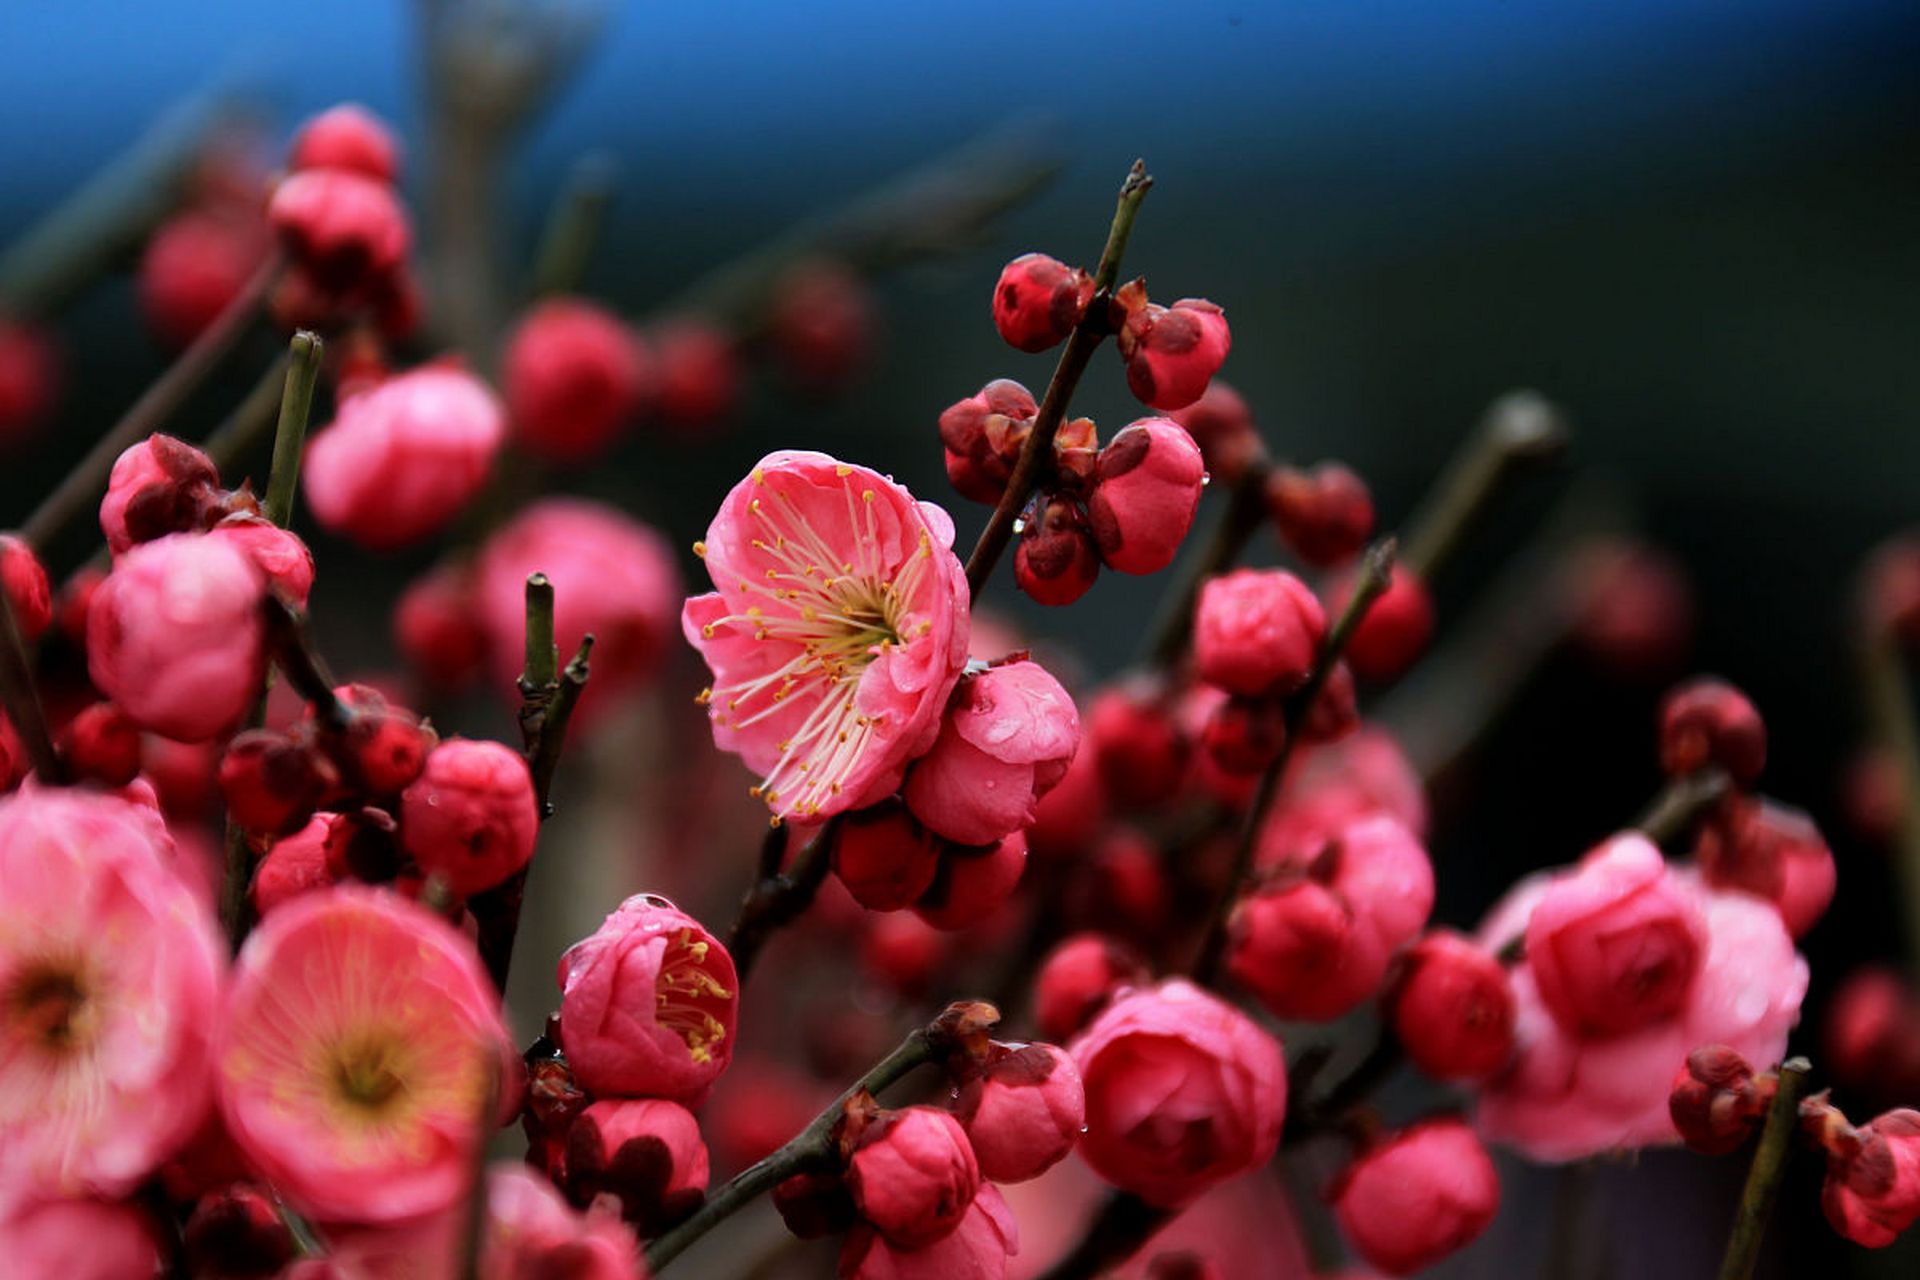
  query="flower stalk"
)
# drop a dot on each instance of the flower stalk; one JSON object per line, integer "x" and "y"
{"x": 1764, "y": 1175}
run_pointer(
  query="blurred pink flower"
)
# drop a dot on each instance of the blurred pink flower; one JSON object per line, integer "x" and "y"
{"x": 109, "y": 986}
{"x": 80, "y": 1240}
{"x": 837, "y": 630}
{"x": 360, "y": 1040}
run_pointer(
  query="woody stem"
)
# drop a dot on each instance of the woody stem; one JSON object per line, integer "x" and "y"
{"x": 1763, "y": 1177}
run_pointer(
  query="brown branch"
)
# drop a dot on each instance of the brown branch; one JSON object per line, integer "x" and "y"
{"x": 1763, "y": 1177}
{"x": 1519, "y": 427}
{"x": 778, "y": 897}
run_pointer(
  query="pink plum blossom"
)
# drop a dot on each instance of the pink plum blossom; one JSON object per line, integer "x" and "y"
{"x": 977, "y": 1249}
{"x": 80, "y": 1240}
{"x": 1008, "y": 736}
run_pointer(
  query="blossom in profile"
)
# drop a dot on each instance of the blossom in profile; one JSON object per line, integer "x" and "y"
{"x": 978, "y": 1248}
{"x": 109, "y": 987}
{"x": 836, "y": 630}
{"x": 360, "y": 1044}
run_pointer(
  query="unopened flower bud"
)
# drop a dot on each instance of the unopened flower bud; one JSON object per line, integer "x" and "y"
{"x": 1222, "y": 425}
{"x": 274, "y": 781}
{"x": 281, "y": 556}
{"x": 344, "y": 228}
{"x": 1395, "y": 630}
{"x": 1023, "y": 1111}
{"x": 157, "y": 487}
{"x": 814, "y": 1205}
{"x": 983, "y": 435}
{"x": 1453, "y": 1008}
{"x": 1173, "y": 352}
{"x": 1138, "y": 742}
{"x": 645, "y": 1154}
{"x": 973, "y": 882}
{"x": 1256, "y": 632}
{"x": 470, "y": 816}
{"x": 1148, "y": 487}
{"x": 1423, "y": 1194}
{"x": 384, "y": 747}
{"x": 1244, "y": 735}
{"x": 438, "y": 627}
{"x": 884, "y": 857}
{"x": 820, "y": 324}
{"x": 1771, "y": 851}
{"x": 193, "y": 269}
{"x": 347, "y": 137}
{"x": 24, "y": 579}
{"x": 294, "y": 865}
{"x": 1057, "y": 559}
{"x": 1325, "y": 515}
{"x": 1872, "y": 1191}
{"x": 1715, "y": 1102}
{"x": 1039, "y": 300}
{"x": 913, "y": 1175}
{"x": 1006, "y": 738}
{"x": 699, "y": 373}
{"x": 1707, "y": 721}
{"x": 573, "y": 376}
{"x": 101, "y": 744}
{"x": 29, "y": 379}
{"x": 1336, "y": 712}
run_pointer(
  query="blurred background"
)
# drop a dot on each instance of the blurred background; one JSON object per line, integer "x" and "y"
{"x": 1693, "y": 225}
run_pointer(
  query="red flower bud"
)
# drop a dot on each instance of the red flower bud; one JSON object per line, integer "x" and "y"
{"x": 470, "y": 816}
{"x": 1076, "y": 980}
{"x": 698, "y": 372}
{"x": 437, "y": 626}
{"x": 973, "y": 882}
{"x": 1256, "y": 632}
{"x": 1222, "y": 425}
{"x": 1336, "y": 712}
{"x": 1871, "y": 1035}
{"x": 1056, "y": 560}
{"x": 384, "y": 748}
{"x": 1137, "y": 741}
{"x": 1007, "y": 736}
{"x": 345, "y": 229}
{"x": 1022, "y": 1111}
{"x": 157, "y": 487}
{"x": 884, "y": 857}
{"x": 1148, "y": 487}
{"x": 1067, "y": 818}
{"x": 573, "y": 376}
{"x": 100, "y": 744}
{"x": 902, "y": 951}
{"x": 280, "y": 556}
{"x": 237, "y": 1234}
{"x": 913, "y": 1175}
{"x": 815, "y": 1205}
{"x": 1172, "y": 352}
{"x": 1039, "y": 300}
{"x": 644, "y": 1154}
{"x": 29, "y": 379}
{"x": 1244, "y": 735}
{"x": 347, "y": 137}
{"x": 274, "y": 781}
{"x": 1872, "y": 1192}
{"x": 1426, "y": 1192}
{"x": 983, "y": 435}
{"x": 1325, "y": 515}
{"x": 820, "y": 324}
{"x": 193, "y": 268}
{"x": 1714, "y": 1103}
{"x": 1707, "y": 721}
{"x": 294, "y": 865}
{"x": 1632, "y": 608}
{"x": 1453, "y": 1008}
{"x": 25, "y": 581}
{"x": 1395, "y": 630}
{"x": 1773, "y": 852}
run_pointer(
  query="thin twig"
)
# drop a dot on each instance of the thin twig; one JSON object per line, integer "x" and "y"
{"x": 80, "y": 489}
{"x": 1682, "y": 801}
{"x": 290, "y": 435}
{"x": 1375, "y": 571}
{"x": 1037, "y": 454}
{"x": 1521, "y": 426}
{"x": 814, "y": 1147}
{"x": 1763, "y": 1176}
{"x": 22, "y": 698}
{"x": 573, "y": 225}
{"x": 779, "y": 898}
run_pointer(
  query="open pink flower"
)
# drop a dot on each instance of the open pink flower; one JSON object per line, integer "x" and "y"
{"x": 360, "y": 1043}
{"x": 109, "y": 985}
{"x": 1183, "y": 1091}
{"x": 1566, "y": 1097}
{"x": 836, "y": 631}
{"x": 648, "y": 1005}
{"x": 1008, "y": 736}
{"x": 402, "y": 459}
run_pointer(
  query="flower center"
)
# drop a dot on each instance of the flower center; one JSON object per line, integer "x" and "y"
{"x": 686, "y": 995}
{"x": 369, "y": 1072}
{"x": 48, "y": 1004}
{"x": 828, "y": 618}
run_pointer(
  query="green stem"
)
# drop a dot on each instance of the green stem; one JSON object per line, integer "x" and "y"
{"x": 573, "y": 226}
{"x": 1375, "y": 572}
{"x": 1520, "y": 426}
{"x": 290, "y": 435}
{"x": 1036, "y": 456}
{"x": 812, "y": 1149}
{"x": 1764, "y": 1175}
{"x": 1680, "y": 802}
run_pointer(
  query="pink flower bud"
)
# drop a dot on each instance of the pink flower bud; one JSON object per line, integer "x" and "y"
{"x": 1423, "y": 1194}
{"x": 1872, "y": 1192}
{"x": 1007, "y": 737}
{"x": 973, "y": 882}
{"x": 194, "y": 267}
{"x": 1057, "y": 558}
{"x": 1039, "y": 300}
{"x": 1707, "y": 721}
{"x": 1222, "y": 425}
{"x": 1396, "y": 629}
{"x": 1077, "y": 979}
{"x": 25, "y": 581}
{"x": 273, "y": 782}
{"x": 884, "y": 857}
{"x": 531, "y": 1234}
{"x": 1453, "y": 1008}
{"x": 1067, "y": 818}
{"x": 384, "y": 747}
{"x": 237, "y": 1232}
{"x": 1138, "y": 742}
{"x": 977, "y": 1249}
{"x": 281, "y": 556}
{"x": 347, "y": 137}
{"x": 81, "y": 1240}
{"x": 1617, "y": 945}
{"x": 612, "y": 576}
{"x": 346, "y": 229}
{"x": 1245, "y": 735}
{"x": 1325, "y": 515}
{"x": 1172, "y": 352}
{"x": 470, "y": 817}
{"x": 573, "y": 375}
{"x": 1023, "y": 1111}
{"x": 1183, "y": 1092}
{"x": 646, "y": 1154}
{"x": 1632, "y": 608}
{"x": 29, "y": 380}
{"x": 437, "y": 626}
{"x": 820, "y": 325}
{"x": 175, "y": 636}
{"x": 699, "y": 374}
{"x": 1150, "y": 476}
{"x": 1715, "y": 1103}
{"x": 983, "y": 435}
{"x": 1256, "y": 632}
{"x": 401, "y": 460}
{"x": 157, "y": 487}
{"x": 294, "y": 865}
{"x": 648, "y": 1005}
{"x": 913, "y": 1175}
{"x": 1870, "y": 1036}
{"x": 1771, "y": 851}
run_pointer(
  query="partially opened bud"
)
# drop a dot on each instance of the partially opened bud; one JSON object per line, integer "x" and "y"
{"x": 1023, "y": 1111}
{"x": 294, "y": 865}
{"x": 1149, "y": 481}
{"x": 1039, "y": 300}
{"x": 1773, "y": 852}
{"x": 644, "y": 1154}
{"x": 157, "y": 487}
{"x": 1715, "y": 1101}
{"x": 1425, "y": 1193}
{"x": 1872, "y": 1192}
{"x": 1172, "y": 352}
